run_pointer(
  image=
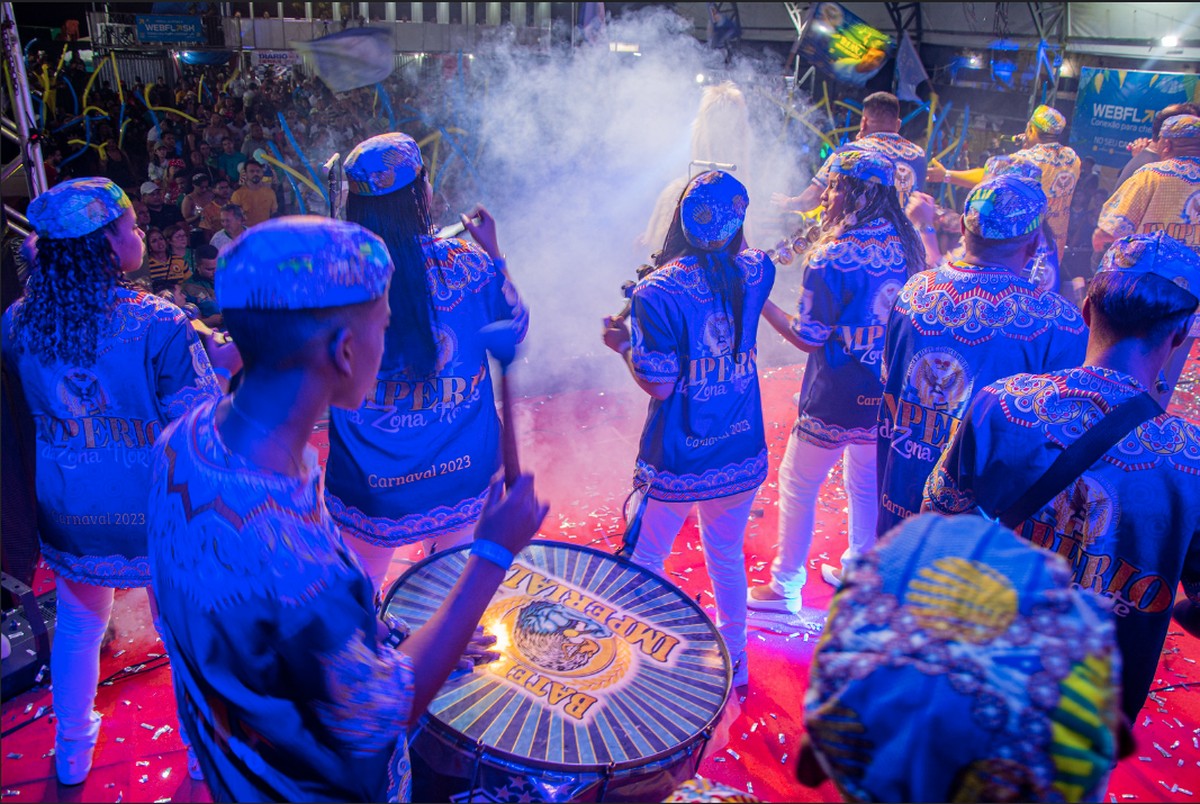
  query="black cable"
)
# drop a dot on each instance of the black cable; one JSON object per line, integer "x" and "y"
{"x": 121, "y": 675}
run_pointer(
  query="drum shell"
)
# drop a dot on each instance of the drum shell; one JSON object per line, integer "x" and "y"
{"x": 449, "y": 765}
{"x": 445, "y": 768}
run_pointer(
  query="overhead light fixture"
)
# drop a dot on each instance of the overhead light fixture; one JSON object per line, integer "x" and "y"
{"x": 1170, "y": 40}
{"x": 699, "y": 78}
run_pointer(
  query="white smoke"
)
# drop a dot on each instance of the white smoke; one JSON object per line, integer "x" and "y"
{"x": 575, "y": 147}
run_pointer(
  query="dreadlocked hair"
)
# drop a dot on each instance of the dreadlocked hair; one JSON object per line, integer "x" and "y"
{"x": 724, "y": 278}
{"x": 68, "y": 296}
{"x": 871, "y": 202}
{"x": 402, "y": 219}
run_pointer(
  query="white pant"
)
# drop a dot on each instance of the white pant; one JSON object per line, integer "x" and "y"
{"x": 376, "y": 560}
{"x": 83, "y": 612}
{"x": 804, "y": 468}
{"x": 722, "y": 531}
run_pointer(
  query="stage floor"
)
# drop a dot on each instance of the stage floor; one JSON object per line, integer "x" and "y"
{"x": 581, "y": 445}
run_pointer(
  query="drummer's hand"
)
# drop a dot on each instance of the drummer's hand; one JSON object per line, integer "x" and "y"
{"x": 511, "y": 518}
{"x": 482, "y": 227}
{"x": 921, "y": 209}
{"x": 476, "y": 652}
{"x": 782, "y": 201}
{"x": 936, "y": 172}
{"x": 616, "y": 334}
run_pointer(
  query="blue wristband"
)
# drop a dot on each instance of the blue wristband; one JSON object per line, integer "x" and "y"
{"x": 222, "y": 372}
{"x": 493, "y": 552}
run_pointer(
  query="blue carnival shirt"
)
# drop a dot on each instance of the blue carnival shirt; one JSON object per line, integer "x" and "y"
{"x": 1129, "y": 526}
{"x": 706, "y": 439}
{"x": 415, "y": 460}
{"x": 952, "y": 331}
{"x": 908, "y": 158}
{"x": 849, "y": 286}
{"x": 95, "y": 427}
{"x": 280, "y": 681}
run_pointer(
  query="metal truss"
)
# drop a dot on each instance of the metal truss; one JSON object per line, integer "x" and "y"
{"x": 18, "y": 124}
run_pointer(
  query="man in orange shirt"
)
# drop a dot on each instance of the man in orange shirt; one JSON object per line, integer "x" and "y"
{"x": 256, "y": 199}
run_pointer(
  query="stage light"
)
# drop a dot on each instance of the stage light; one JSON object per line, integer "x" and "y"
{"x": 973, "y": 61}
{"x": 1170, "y": 40}
{"x": 699, "y": 78}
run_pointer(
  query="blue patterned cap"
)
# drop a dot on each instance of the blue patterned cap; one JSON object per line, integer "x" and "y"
{"x": 867, "y": 166}
{"x": 1012, "y": 165}
{"x": 1180, "y": 127}
{"x": 1048, "y": 119}
{"x": 77, "y": 207}
{"x": 383, "y": 164}
{"x": 1005, "y": 207}
{"x": 302, "y": 262}
{"x": 1156, "y": 253}
{"x": 712, "y": 210}
{"x": 958, "y": 663}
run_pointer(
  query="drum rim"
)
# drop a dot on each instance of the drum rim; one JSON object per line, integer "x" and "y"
{"x": 433, "y": 724}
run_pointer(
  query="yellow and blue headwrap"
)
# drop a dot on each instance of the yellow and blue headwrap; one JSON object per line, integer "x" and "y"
{"x": 958, "y": 663}
{"x": 1048, "y": 119}
{"x": 1012, "y": 165}
{"x": 1180, "y": 127}
{"x": 866, "y": 166}
{"x": 1005, "y": 207}
{"x": 77, "y": 207}
{"x": 383, "y": 164}
{"x": 302, "y": 262}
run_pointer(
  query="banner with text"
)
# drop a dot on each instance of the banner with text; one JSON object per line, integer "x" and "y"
{"x": 276, "y": 58}
{"x": 155, "y": 28}
{"x": 1116, "y": 107}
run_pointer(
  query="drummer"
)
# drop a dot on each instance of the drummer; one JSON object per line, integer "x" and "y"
{"x": 288, "y": 686}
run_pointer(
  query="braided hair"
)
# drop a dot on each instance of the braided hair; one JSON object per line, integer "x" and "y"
{"x": 68, "y": 295}
{"x": 402, "y": 219}
{"x": 872, "y": 201}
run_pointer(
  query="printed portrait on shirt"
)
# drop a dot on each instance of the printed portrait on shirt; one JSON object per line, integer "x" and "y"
{"x": 938, "y": 379}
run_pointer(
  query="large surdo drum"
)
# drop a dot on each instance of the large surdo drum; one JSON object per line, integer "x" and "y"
{"x": 608, "y": 687}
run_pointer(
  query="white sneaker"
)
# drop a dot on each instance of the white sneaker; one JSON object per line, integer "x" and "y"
{"x": 73, "y": 757}
{"x": 832, "y": 575}
{"x": 784, "y": 605}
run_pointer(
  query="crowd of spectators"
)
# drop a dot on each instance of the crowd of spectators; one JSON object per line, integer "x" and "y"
{"x": 201, "y": 158}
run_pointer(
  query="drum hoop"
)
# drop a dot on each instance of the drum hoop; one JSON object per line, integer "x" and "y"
{"x": 433, "y": 724}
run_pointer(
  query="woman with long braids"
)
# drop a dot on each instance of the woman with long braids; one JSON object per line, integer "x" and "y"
{"x": 694, "y": 349}
{"x": 866, "y": 252}
{"x": 413, "y": 463}
{"x": 103, "y": 368}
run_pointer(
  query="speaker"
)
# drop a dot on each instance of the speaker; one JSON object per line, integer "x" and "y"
{"x": 29, "y": 628}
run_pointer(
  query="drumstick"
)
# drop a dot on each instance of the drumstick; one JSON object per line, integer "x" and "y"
{"x": 500, "y": 340}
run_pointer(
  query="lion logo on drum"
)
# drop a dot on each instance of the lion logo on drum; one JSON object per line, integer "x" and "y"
{"x": 557, "y": 638}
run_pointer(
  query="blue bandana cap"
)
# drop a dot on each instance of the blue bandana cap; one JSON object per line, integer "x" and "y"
{"x": 1180, "y": 127}
{"x": 302, "y": 262}
{"x": 1048, "y": 119}
{"x": 77, "y": 207}
{"x": 866, "y": 166}
{"x": 958, "y": 663}
{"x": 712, "y": 210}
{"x": 383, "y": 164}
{"x": 1005, "y": 207}
{"x": 1012, "y": 165}
{"x": 1156, "y": 253}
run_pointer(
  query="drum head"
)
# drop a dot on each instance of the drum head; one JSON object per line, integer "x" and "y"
{"x": 604, "y": 665}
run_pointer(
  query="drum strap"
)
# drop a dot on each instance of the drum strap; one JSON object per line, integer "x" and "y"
{"x": 1079, "y": 456}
